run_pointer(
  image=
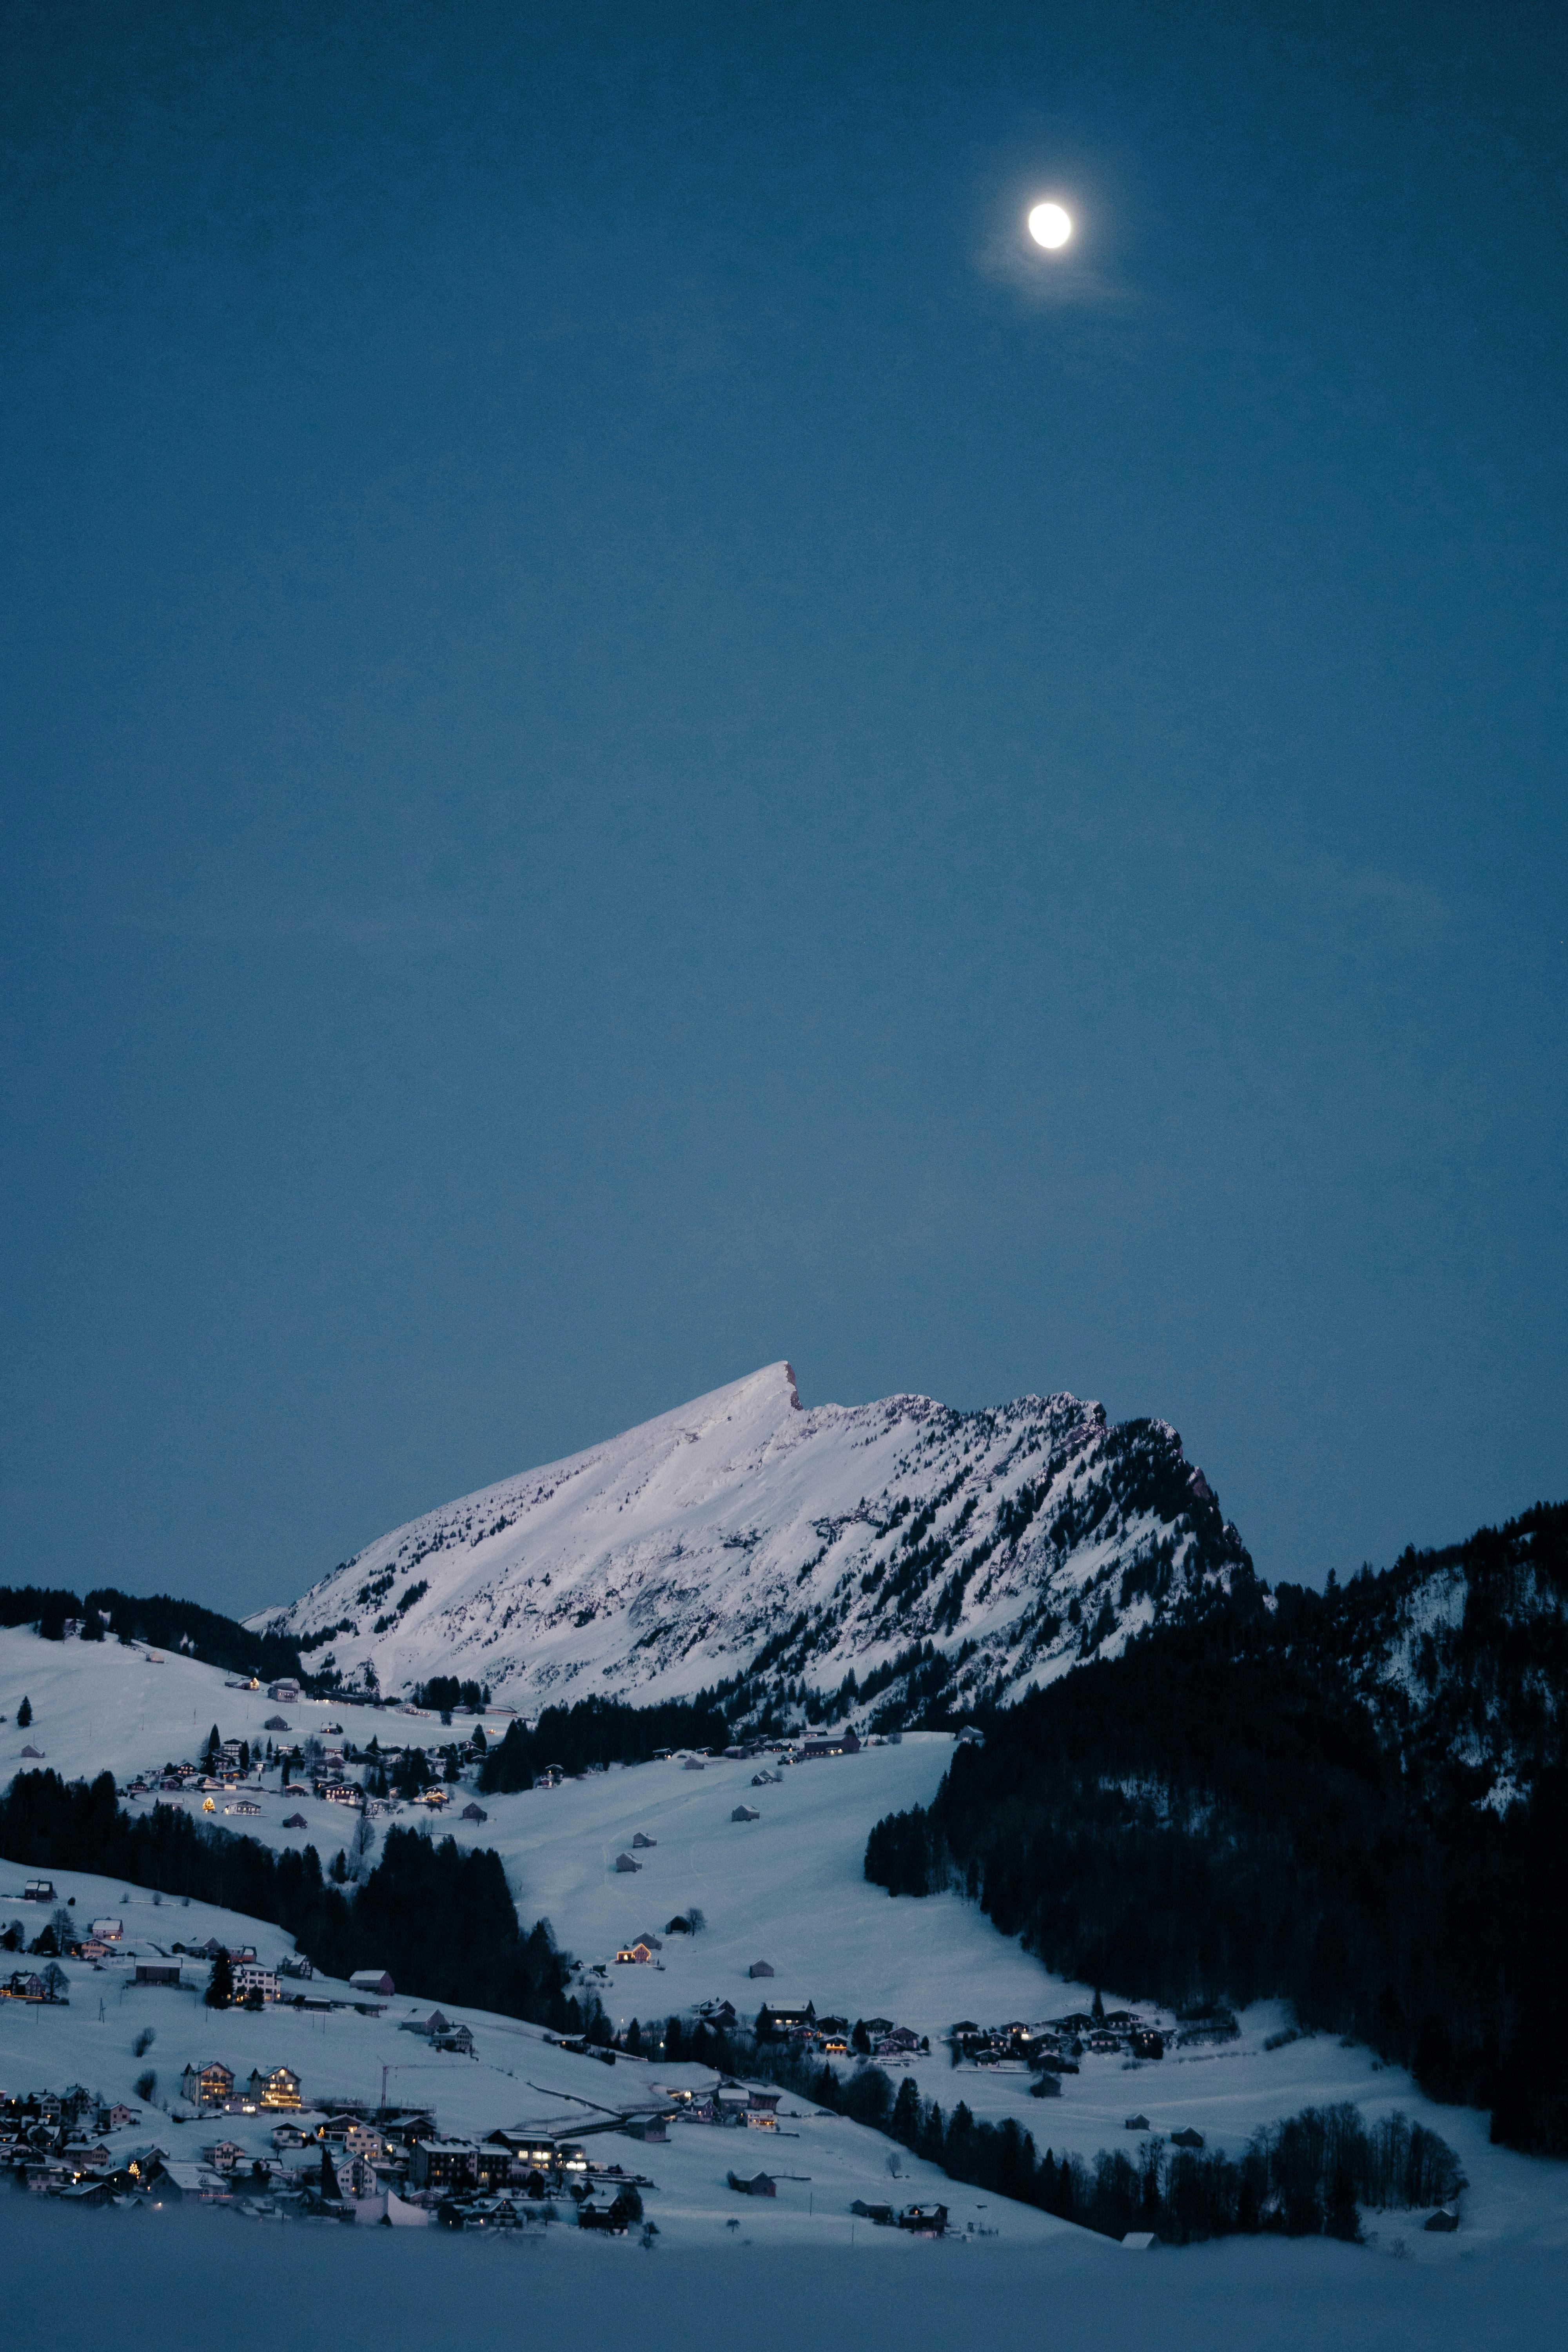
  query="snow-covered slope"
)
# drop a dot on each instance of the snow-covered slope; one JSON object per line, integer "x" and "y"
{"x": 744, "y": 1537}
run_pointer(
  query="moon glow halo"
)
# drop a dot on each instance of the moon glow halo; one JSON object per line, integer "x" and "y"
{"x": 1050, "y": 226}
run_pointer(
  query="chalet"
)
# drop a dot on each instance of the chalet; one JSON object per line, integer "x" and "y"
{"x": 86, "y": 2192}
{"x": 479, "y": 2213}
{"x": 1147, "y": 2042}
{"x": 108, "y": 1931}
{"x": 774, "y": 2022}
{"x": 609, "y": 2218}
{"x": 761, "y": 2184}
{"x": 764, "y": 2101}
{"x": 457, "y": 2041}
{"x": 275, "y": 2086}
{"x": 644, "y": 2127}
{"x": 157, "y": 1972}
{"x": 641, "y": 1840}
{"x": 745, "y": 1813}
{"x": 246, "y": 1805}
{"x": 473, "y": 1813}
{"x": 275, "y": 1723}
{"x": 117, "y": 2118}
{"x": 25, "y": 1985}
{"x": 878, "y": 2026}
{"x": 1187, "y": 2139}
{"x": 624, "y": 1862}
{"x": 925, "y": 2220}
{"x": 428, "y": 2026}
{"x": 357, "y": 2182}
{"x": 294, "y": 1822}
{"x": 829, "y": 1743}
{"x": 882, "y": 2215}
{"x": 211, "y": 2086}
{"x": 374, "y": 1980}
{"x": 287, "y": 1691}
{"x": 37, "y": 1756}
{"x": 759, "y": 1968}
{"x": 640, "y": 1950}
{"x": 1136, "y": 2123}
{"x": 225, "y": 2154}
{"x": 38, "y": 1890}
{"x": 180, "y": 2183}
{"x": 689, "y": 1764}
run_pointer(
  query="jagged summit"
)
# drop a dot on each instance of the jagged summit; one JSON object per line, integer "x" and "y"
{"x": 744, "y": 1537}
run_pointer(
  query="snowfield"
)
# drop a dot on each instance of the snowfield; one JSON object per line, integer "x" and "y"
{"x": 788, "y": 1888}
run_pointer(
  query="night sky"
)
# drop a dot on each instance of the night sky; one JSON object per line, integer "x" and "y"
{"x": 635, "y": 741}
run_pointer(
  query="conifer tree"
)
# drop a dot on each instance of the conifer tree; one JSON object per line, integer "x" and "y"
{"x": 24, "y": 1714}
{"x": 905, "y": 2126}
{"x": 219, "y": 1994}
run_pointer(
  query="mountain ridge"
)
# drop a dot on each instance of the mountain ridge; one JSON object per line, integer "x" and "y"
{"x": 745, "y": 1540}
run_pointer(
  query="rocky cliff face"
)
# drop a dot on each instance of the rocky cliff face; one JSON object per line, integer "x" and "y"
{"x": 743, "y": 1539}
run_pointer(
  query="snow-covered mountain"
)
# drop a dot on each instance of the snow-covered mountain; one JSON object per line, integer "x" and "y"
{"x": 746, "y": 1539}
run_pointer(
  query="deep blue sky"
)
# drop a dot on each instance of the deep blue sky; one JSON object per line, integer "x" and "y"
{"x": 632, "y": 745}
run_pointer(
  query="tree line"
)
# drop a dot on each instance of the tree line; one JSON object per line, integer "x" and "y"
{"x": 600, "y": 1731}
{"x": 158, "y": 1620}
{"x": 440, "y": 1919}
{"x": 1238, "y": 1808}
{"x": 1310, "y": 2175}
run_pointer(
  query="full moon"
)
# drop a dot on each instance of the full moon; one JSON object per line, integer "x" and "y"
{"x": 1049, "y": 226}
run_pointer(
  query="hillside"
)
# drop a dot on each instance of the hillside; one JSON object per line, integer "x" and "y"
{"x": 1356, "y": 1799}
{"x": 746, "y": 1541}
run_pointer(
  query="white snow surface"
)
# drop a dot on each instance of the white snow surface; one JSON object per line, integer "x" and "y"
{"x": 665, "y": 1560}
{"x": 788, "y": 1888}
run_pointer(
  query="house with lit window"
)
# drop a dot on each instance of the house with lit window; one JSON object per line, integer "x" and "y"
{"x": 211, "y": 2086}
{"x": 275, "y": 2086}
{"x": 249, "y": 1976}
